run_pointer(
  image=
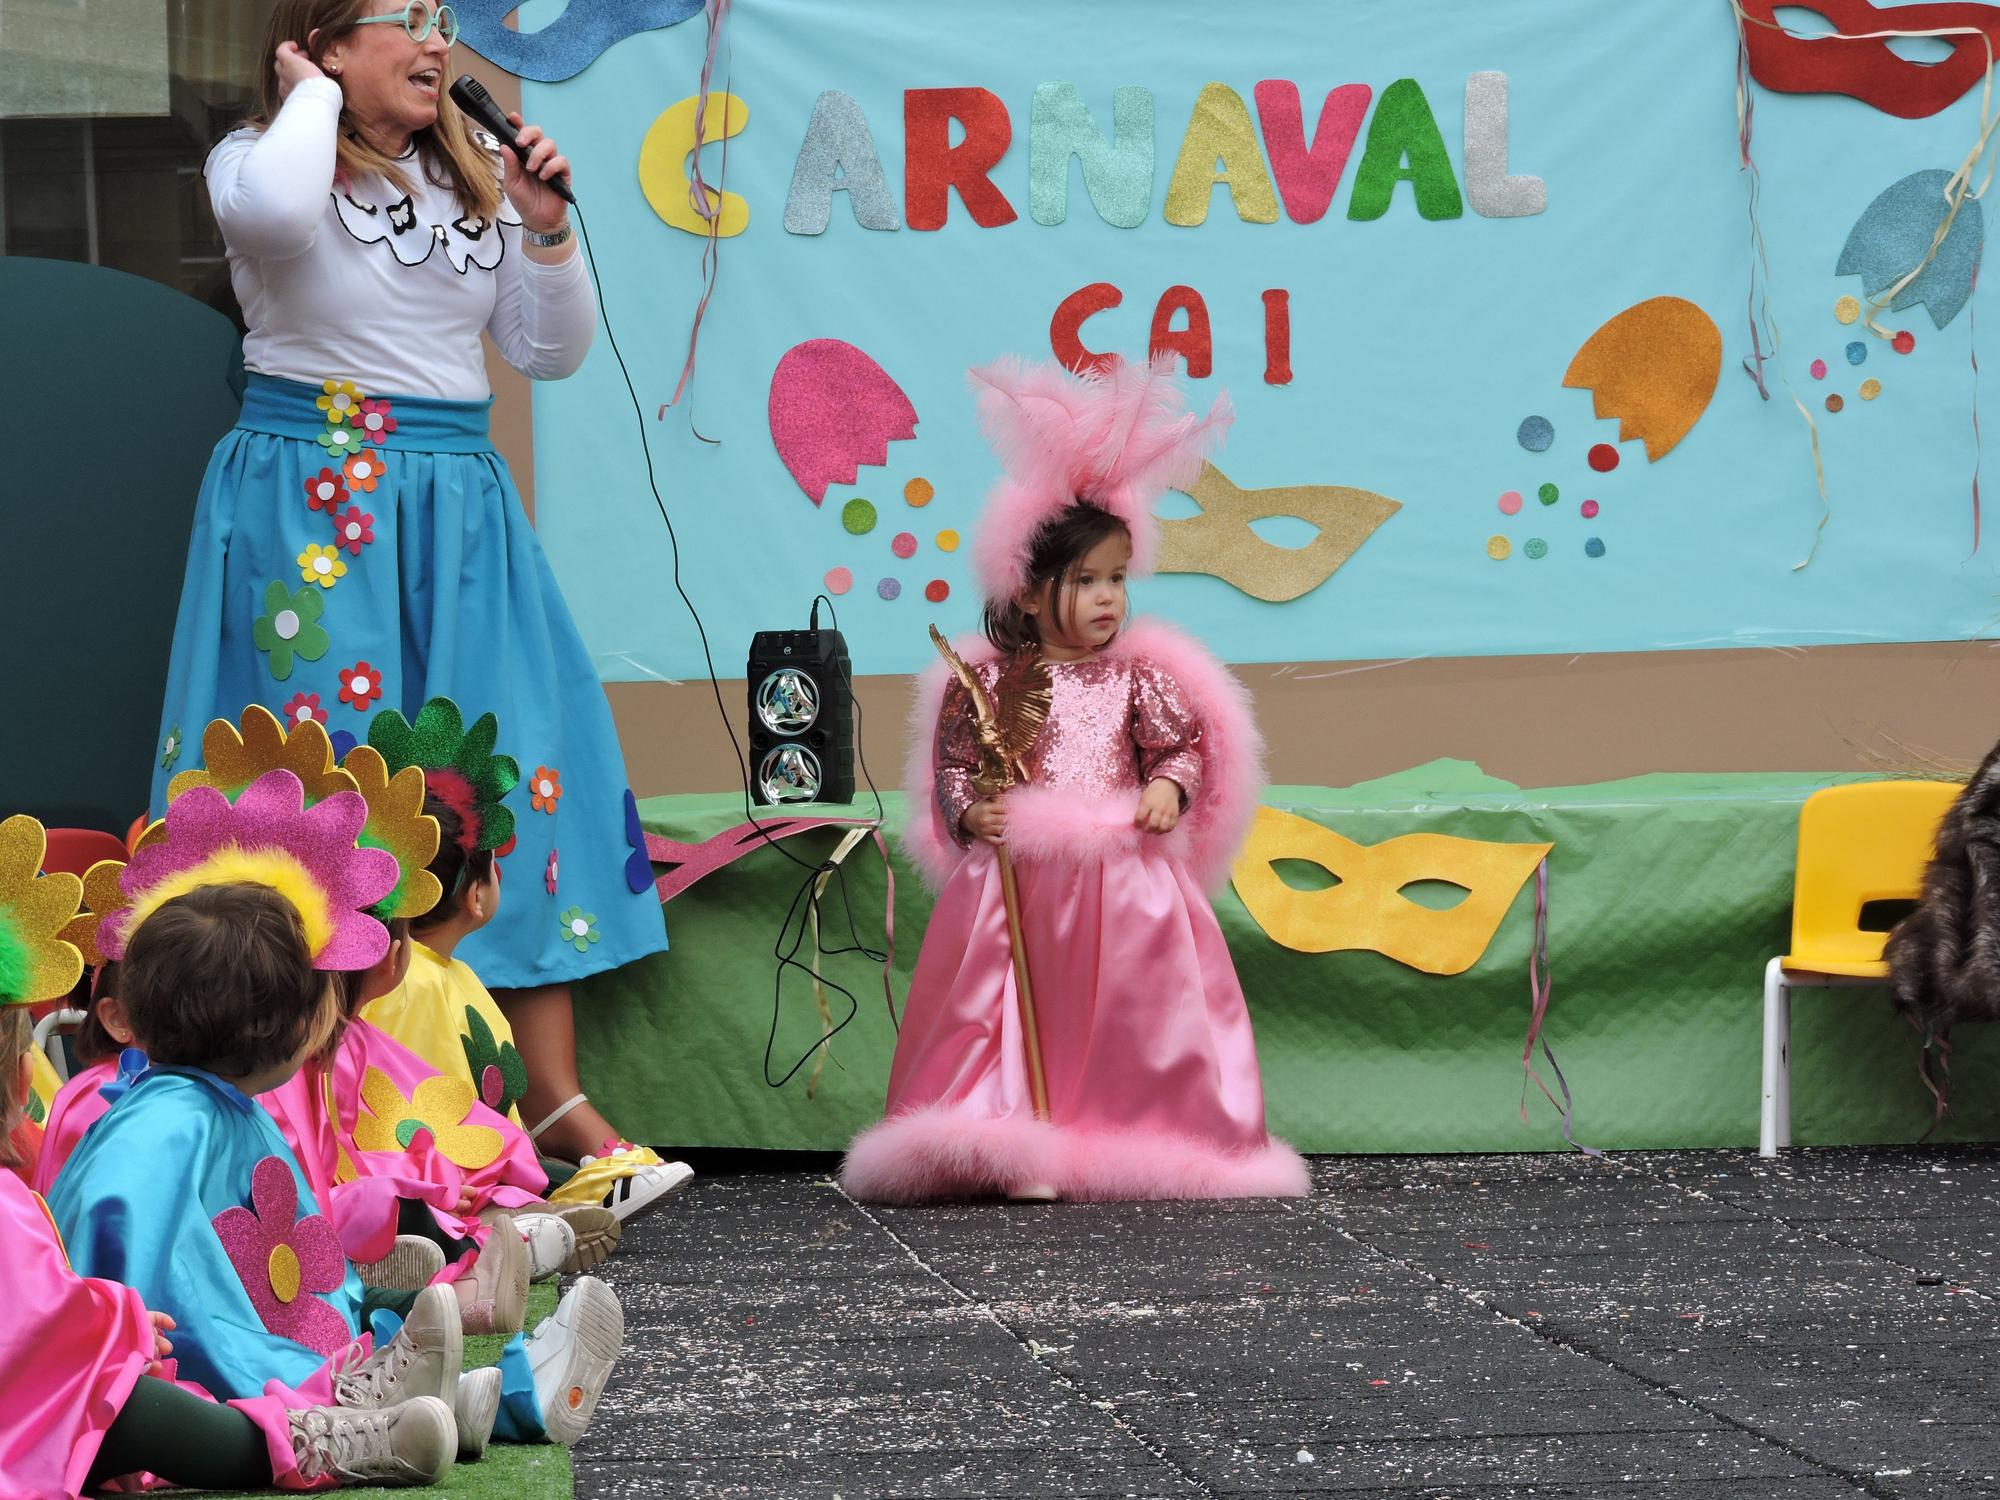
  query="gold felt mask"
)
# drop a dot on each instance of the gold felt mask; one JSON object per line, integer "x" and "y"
{"x": 1220, "y": 540}
{"x": 1366, "y": 910}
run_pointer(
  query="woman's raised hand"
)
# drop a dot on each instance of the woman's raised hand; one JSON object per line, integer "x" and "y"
{"x": 293, "y": 68}
{"x": 528, "y": 184}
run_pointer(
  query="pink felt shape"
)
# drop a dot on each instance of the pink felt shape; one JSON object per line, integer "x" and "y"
{"x": 271, "y": 815}
{"x": 1119, "y": 436}
{"x": 834, "y": 409}
{"x": 1308, "y": 174}
{"x": 254, "y": 1236}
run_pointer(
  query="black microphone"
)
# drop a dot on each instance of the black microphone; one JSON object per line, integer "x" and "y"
{"x": 470, "y": 95}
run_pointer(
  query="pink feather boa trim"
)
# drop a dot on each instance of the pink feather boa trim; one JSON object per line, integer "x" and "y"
{"x": 939, "y": 1153}
{"x": 1047, "y": 824}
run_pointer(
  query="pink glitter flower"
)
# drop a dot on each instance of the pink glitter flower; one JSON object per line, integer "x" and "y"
{"x": 207, "y": 836}
{"x": 282, "y": 1259}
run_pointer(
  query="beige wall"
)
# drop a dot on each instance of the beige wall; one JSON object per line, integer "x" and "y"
{"x": 1535, "y": 720}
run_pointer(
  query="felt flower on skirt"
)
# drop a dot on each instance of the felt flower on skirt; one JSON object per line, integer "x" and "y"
{"x": 364, "y": 471}
{"x": 497, "y": 1069}
{"x": 353, "y": 529}
{"x": 326, "y": 490}
{"x": 289, "y": 627}
{"x": 360, "y": 685}
{"x": 549, "y": 874}
{"x": 282, "y": 1260}
{"x": 340, "y": 441}
{"x": 342, "y": 401}
{"x": 170, "y": 751}
{"x": 303, "y": 709}
{"x": 374, "y": 421}
{"x": 638, "y": 864}
{"x": 437, "y": 1107}
{"x": 545, "y": 789}
{"x": 579, "y": 928}
{"x": 321, "y": 565}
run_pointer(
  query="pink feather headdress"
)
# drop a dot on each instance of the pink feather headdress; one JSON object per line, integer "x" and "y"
{"x": 1119, "y": 438}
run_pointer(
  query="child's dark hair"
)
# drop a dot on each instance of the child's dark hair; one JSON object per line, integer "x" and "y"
{"x": 221, "y": 979}
{"x": 1055, "y": 556}
{"x": 92, "y": 1042}
{"x": 455, "y": 869}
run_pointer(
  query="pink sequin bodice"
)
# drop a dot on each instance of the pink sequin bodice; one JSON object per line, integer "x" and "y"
{"x": 1115, "y": 723}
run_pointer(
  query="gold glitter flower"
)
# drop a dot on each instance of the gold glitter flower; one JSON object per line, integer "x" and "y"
{"x": 103, "y": 898}
{"x": 35, "y": 963}
{"x": 397, "y": 822}
{"x": 232, "y": 759}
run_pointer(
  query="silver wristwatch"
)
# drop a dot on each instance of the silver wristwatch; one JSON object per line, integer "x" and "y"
{"x": 545, "y": 241}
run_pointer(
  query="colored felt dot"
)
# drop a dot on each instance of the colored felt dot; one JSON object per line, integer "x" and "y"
{"x": 858, "y": 516}
{"x": 1536, "y": 433}
{"x": 1548, "y": 494}
{"x": 1594, "y": 547}
{"x": 1856, "y": 352}
{"x": 888, "y": 588}
{"x": 947, "y": 541}
{"x": 1870, "y": 389}
{"x": 1834, "y": 403}
{"x": 1536, "y": 547}
{"x": 839, "y": 580}
{"x": 1818, "y": 369}
{"x": 904, "y": 545}
{"x": 1847, "y": 309}
{"x": 1510, "y": 503}
{"x": 1499, "y": 548}
{"x": 1589, "y": 509}
{"x": 937, "y": 591}
{"x": 1903, "y": 342}
{"x": 919, "y": 492}
{"x": 1603, "y": 457}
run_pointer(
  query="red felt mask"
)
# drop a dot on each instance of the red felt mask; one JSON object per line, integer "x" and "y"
{"x": 1868, "y": 70}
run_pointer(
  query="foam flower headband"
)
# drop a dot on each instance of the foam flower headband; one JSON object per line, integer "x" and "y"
{"x": 267, "y": 837}
{"x": 232, "y": 758}
{"x": 398, "y": 823}
{"x": 36, "y": 964}
{"x": 458, "y": 766}
{"x": 1118, "y": 438}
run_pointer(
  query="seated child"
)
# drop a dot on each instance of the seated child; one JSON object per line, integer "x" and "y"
{"x": 86, "y": 1388}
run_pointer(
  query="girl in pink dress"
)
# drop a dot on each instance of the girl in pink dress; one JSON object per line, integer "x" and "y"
{"x": 1140, "y": 786}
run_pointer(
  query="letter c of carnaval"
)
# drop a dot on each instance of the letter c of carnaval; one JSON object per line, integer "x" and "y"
{"x": 663, "y": 156}
{"x": 1066, "y": 327}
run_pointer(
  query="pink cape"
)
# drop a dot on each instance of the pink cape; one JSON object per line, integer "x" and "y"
{"x": 1153, "y": 1084}
{"x": 77, "y": 1106}
{"x": 364, "y": 1206}
{"x": 71, "y": 1350}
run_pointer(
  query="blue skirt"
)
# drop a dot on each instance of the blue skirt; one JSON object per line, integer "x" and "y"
{"x": 335, "y": 576}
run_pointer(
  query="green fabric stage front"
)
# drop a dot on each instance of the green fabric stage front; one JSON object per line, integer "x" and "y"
{"x": 1668, "y": 894}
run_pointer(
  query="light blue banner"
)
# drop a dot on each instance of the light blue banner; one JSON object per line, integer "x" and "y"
{"x": 1418, "y": 346}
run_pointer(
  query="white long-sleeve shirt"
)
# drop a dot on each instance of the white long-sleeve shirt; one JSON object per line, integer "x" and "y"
{"x": 357, "y": 282}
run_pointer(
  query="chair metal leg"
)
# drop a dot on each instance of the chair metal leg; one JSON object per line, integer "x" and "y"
{"x": 1774, "y": 1127}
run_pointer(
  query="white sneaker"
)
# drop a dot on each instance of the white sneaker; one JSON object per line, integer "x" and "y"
{"x": 478, "y": 1406}
{"x": 493, "y": 1295}
{"x": 411, "y": 1266}
{"x": 645, "y": 1187}
{"x": 551, "y": 1244}
{"x": 410, "y": 1444}
{"x": 572, "y": 1353}
{"x": 423, "y": 1359}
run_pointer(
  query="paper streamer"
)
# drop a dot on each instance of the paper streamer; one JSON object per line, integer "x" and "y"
{"x": 1366, "y": 909}
{"x": 1891, "y": 245}
{"x": 1654, "y": 367}
{"x": 833, "y": 409}
{"x": 584, "y": 32}
{"x": 1220, "y": 146}
{"x": 1117, "y": 174}
{"x": 1404, "y": 145}
{"x": 1494, "y": 194}
{"x": 1308, "y": 175}
{"x": 838, "y": 154}
{"x": 1219, "y": 540}
{"x": 663, "y": 166}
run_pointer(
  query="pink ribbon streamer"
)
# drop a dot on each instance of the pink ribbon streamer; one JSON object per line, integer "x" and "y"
{"x": 1541, "y": 987}
{"x": 1972, "y": 340}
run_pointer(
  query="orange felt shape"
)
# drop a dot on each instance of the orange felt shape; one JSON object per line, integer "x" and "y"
{"x": 1366, "y": 911}
{"x": 1654, "y": 368}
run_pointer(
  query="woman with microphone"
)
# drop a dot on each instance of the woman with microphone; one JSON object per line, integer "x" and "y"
{"x": 358, "y": 543}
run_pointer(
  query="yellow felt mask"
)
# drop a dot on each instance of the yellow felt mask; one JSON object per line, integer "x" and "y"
{"x": 1220, "y": 540}
{"x": 1366, "y": 910}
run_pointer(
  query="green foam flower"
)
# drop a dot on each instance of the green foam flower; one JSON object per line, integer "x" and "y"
{"x": 459, "y": 765}
{"x": 289, "y": 626}
{"x": 579, "y": 928}
{"x": 497, "y": 1070}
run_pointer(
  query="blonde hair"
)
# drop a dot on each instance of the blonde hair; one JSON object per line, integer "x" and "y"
{"x": 17, "y": 1035}
{"x": 446, "y": 147}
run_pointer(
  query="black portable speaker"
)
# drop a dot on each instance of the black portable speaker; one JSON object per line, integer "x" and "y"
{"x": 801, "y": 717}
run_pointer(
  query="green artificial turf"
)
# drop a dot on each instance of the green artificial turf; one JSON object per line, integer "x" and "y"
{"x": 517, "y": 1471}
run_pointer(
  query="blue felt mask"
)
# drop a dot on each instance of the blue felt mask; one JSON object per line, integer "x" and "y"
{"x": 567, "y": 45}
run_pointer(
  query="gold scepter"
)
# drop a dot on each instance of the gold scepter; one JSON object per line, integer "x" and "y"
{"x": 1005, "y": 737}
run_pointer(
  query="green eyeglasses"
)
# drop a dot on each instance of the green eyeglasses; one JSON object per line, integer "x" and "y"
{"x": 420, "y": 18}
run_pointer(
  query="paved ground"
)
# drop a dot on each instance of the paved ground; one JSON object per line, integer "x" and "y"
{"x": 1693, "y": 1324}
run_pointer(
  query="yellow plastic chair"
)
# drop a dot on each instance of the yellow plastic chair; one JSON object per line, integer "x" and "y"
{"x": 1861, "y": 843}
